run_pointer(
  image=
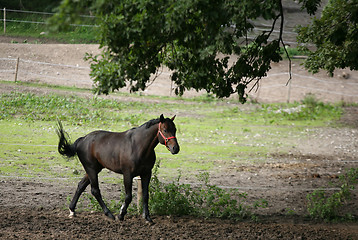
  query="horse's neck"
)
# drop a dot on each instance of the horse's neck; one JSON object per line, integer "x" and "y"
{"x": 149, "y": 138}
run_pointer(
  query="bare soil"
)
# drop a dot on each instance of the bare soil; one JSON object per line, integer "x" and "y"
{"x": 34, "y": 208}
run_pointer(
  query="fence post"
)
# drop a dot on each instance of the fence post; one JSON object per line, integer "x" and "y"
{"x": 17, "y": 68}
{"x": 139, "y": 193}
{"x": 4, "y": 20}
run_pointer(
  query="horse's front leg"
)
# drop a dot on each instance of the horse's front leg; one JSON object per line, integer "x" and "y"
{"x": 145, "y": 195}
{"x": 128, "y": 199}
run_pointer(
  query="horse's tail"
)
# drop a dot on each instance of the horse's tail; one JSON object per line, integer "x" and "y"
{"x": 65, "y": 147}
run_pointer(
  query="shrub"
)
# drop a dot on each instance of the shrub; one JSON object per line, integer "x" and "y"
{"x": 205, "y": 200}
{"x": 322, "y": 205}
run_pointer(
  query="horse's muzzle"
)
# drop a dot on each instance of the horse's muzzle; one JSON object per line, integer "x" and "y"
{"x": 174, "y": 149}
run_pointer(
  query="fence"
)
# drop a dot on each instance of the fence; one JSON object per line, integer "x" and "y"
{"x": 5, "y": 18}
{"x": 289, "y": 34}
{"x": 17, "y": 69}
{"x": 275, "y": 88}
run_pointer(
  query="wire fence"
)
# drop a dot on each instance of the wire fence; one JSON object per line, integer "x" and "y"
{"x": 37, "y": 18}
{"x": 17, "y": 69}
{"x": 289, "y": 33}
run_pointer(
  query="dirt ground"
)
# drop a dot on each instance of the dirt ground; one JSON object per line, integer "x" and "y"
{"x": 34, "y": 208}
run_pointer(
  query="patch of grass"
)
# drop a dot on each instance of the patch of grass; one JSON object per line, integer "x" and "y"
{"x": 29, "y": 150}
{"x": 292, "y": 52}
{"x": 30, "y": 107}
{"x": 210, "y": 133}
{"x": 40, "y": 31}
{"x": 19, "y": 84}
{"x": 309, "y": 112}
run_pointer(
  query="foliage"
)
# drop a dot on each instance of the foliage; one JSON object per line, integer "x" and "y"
{"x": 137, "y": 37}
{"x": 169, "y": 199}
{"x": 335, "y": 37}
{"x": 322, "y": 205}
{"x": 205, "y": 200}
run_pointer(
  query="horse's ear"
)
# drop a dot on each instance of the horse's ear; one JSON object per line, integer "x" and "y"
{"x": 162, "y": 118}
{"x": 173, "y": 117}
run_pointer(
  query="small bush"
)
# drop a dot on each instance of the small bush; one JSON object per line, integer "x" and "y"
{"x": 322, "y": 205}
{"x": 205, "y": 200}
{"x": 170, "y": 199}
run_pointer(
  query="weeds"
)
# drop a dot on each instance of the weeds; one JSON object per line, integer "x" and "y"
{"x": 322, "y": 205}
{"x": 310, "y": 109}
{"x": 205, "y": 200}
{"x": 179, "y": 199}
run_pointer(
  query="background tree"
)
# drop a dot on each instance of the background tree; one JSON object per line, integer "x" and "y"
{"x": 335, "y": 37}
{"x": 137, "y": 37}
{"x": 30, "y": 5}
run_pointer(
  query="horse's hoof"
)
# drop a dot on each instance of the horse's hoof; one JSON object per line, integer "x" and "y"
{"x": 120, "y": 217}
{"x": 110, "y": 216}
{"x": 148, "y": 220}
{"x": 72, "y": 214}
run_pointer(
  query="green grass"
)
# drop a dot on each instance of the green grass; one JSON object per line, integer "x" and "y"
{"x": 28, "y": 149}
{"x": 210, "y": 133}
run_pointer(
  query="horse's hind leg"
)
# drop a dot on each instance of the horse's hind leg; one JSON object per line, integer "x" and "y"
{"x": 81, "y": 187}
{"x": 93, "y": 176}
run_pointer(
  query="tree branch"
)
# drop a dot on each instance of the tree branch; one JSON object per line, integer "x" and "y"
{"x": 283, "y": 44}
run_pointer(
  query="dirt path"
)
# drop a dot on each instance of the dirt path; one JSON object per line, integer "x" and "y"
{"x": 42, "y": 224}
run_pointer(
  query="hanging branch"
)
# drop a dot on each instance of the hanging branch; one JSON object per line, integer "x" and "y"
{"x": 283, "y": 44}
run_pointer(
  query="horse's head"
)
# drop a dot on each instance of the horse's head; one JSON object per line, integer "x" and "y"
{"x": 166, "y": 134}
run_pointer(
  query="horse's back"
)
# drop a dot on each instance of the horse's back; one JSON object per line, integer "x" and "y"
{"x": 104, "y": 148}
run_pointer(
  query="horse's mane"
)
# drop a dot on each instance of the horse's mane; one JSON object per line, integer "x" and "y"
{"x": 149, "y": 123}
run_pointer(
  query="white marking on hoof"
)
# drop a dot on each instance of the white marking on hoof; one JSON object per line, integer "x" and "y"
{"x": 72, "y": 214}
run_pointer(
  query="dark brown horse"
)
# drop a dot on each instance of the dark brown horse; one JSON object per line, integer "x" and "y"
{"x": 130, "y": 153}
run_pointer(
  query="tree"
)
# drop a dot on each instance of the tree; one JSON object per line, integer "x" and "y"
{"x": 335, "y": 37}
{"x": 187, "y": 36}
{"x": 33, "y": 5}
